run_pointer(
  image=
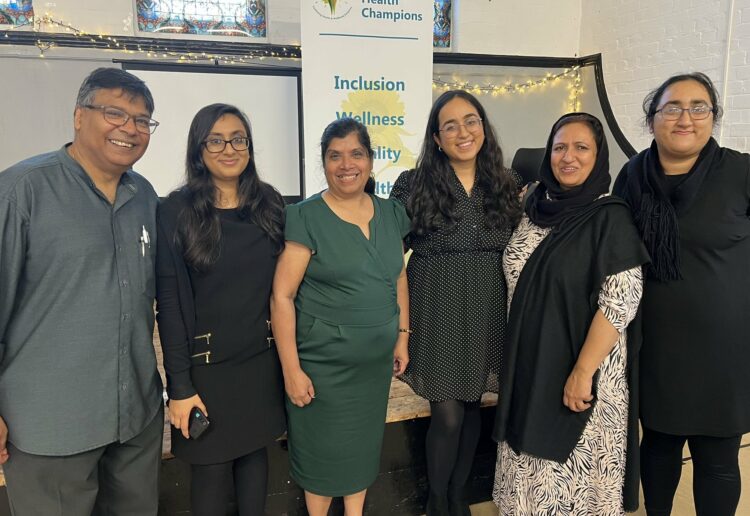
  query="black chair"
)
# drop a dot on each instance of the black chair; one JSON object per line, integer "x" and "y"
{"x": 527, "y": 163}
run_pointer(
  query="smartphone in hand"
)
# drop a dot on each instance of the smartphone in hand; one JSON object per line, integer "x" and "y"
{"x": 199, "y": 423}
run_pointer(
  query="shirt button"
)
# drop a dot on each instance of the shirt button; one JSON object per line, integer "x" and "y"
{"x": 124, "y": 283}
{"x": 124, "y": 386}
{"x": 125, "y": 317}
{"x": 124, "y": 351}
{"x": 119, "y": 248}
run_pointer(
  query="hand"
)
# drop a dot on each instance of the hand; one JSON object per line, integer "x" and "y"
{"x": 523, "y": 191}
{"x": 299, "y": 387}
{"x": 577, "y": 395}
{"x": 179, "y": 413}
{"x": 400, "y": 356}
{"x": 3, "y": 441}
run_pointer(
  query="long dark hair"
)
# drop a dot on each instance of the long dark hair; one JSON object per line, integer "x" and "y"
{"x": 259, "y": 203}
{"x": 432, "y": 203}
{"x": 341, "y": 128}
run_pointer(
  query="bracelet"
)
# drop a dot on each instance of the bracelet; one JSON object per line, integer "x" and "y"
{"x": 405, "y": 330}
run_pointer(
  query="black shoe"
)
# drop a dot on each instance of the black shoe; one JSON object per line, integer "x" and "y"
{"x": 437, "y": 505}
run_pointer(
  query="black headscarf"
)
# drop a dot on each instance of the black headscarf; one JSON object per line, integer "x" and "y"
{"x": 550, "y": 210}
{"x": 642, "y": 184}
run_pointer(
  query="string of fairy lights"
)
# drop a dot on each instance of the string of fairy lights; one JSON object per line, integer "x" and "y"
{"x": 570, "y": 76}
{"x": 161, "y": 50}
{"x": 154, "y": 49}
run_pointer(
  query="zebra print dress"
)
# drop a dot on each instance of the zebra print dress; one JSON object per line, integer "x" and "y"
{"x": 591, "y": 480}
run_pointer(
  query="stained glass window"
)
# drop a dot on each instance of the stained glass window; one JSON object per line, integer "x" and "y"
{"x": 16, "y": 12}
{"x": 441, "y": 32}
{"x": 207, "y": 17}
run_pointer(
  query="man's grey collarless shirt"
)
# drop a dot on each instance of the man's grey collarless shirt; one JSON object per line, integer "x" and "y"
{"x": 77, "y": 364}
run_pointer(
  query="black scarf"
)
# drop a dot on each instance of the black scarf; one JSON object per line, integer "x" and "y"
{"x": 642, "y": 184}
{"x": 550, "y": 211}
{"x": 554, "y": 302}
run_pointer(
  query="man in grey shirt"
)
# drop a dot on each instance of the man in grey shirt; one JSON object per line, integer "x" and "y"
{"x": 81, "y": 410}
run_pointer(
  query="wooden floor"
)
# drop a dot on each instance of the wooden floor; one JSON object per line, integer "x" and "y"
{"x": 683, "y": 503}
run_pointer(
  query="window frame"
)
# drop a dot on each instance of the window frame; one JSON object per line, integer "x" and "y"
{"x": 199, "y": 37}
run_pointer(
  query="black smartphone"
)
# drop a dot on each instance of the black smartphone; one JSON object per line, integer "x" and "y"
{"x": 199, "y": 423}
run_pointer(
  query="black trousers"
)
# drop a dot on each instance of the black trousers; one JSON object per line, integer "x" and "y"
{"x": 116, "y": 479}
{"x": 716, "y": 472}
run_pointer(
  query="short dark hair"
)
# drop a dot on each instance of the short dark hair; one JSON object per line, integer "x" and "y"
{"x": 652, "y": 100}
{"x": 591, "y": 121}
{"x": 111, "y": 79}
{"x": 341, "y": 128}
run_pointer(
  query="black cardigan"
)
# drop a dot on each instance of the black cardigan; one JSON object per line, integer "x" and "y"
{"x": 553, "y": 305}
{"x": 174, "y": 300}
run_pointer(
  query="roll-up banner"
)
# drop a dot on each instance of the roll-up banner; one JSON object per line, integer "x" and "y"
{"x": 370, "y": 60}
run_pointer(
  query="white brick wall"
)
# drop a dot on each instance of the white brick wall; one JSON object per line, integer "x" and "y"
{"x": 736, "y": 130}
{"x": 529, "y": 27}
{"x": 643, "y": 42}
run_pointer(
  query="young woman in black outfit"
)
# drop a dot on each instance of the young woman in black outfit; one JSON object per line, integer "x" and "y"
{"x": 691, "y": 201}
{"x": 463, "y": 204}
{"x": 218, "y": 239}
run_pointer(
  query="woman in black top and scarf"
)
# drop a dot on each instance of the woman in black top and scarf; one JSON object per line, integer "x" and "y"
{"x": 573, "y": 267}
{"x": 690, "y": 200}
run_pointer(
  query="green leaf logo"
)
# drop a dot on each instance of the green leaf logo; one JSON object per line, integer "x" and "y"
{"x": 331, "y": 4}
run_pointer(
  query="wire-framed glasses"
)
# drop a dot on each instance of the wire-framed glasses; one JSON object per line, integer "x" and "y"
{"x": 696, "y": 112}
{"x": 118, "y": 117}
{"x": 473, "y": 124}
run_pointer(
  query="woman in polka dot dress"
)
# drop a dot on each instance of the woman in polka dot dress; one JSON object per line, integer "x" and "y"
{"x": 463, "y": 205}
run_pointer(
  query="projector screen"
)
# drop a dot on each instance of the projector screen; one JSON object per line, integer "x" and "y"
{"x": 268, "y": 96}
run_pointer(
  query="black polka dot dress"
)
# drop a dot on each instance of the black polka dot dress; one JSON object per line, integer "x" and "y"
{"x": 456, "y": 301}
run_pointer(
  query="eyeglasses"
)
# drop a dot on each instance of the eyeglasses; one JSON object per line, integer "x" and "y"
{"x": 697, "y": 112}
{"x": 216, "y": 145}
{"x": 472, "y": 124}
{"x": 118, "y": 117}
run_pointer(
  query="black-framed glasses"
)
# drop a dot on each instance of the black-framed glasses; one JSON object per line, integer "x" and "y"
{"x": 216, "y": 145}
{"x": 118, "y": 117}
{"x": 472, "y": 124}
{"x": 696, "y": 112}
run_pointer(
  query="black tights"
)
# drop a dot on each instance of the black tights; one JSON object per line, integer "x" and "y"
{"x": 211, "y": 485}
{"x": 451, "y": 442}
{"x": 716, "y": 472}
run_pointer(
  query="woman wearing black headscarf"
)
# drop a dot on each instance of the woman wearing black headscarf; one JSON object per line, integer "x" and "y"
{"x": 691, "y": 202}
{"x": 573, "y": 268}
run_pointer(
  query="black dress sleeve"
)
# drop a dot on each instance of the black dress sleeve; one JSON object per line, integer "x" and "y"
{"x": 516, "y": 177}
{"x": 400, "y": 190}
{"x": 174, "y": 340}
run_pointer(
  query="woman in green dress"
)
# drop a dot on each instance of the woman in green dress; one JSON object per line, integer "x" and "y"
{"x": 341, "y": 321}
